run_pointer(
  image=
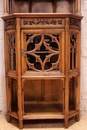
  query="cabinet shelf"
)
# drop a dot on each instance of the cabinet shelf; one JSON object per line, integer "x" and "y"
{"x": 43, "y": 110}
{"x": 43, "y": 75}
{"x": 37, "y": 116}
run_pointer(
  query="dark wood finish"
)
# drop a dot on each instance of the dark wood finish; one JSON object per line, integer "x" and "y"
{"x": 42, "y": 57}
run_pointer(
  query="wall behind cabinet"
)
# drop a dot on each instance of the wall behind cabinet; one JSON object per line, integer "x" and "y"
{"x": 2, "y": 63}
{"x": 84, "y": 56}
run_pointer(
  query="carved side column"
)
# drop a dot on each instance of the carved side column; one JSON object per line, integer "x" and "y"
{"x": 6, "y": 7}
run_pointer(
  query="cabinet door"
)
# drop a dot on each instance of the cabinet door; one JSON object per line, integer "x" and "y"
{"x": 42, "y": 50}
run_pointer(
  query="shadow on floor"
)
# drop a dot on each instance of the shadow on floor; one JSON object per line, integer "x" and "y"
{"x": 42, "y": 123}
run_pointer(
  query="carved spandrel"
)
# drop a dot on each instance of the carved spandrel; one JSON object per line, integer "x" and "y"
{"x": 74, "y": 22}
{"x": 10, "y": 23}
{"x": 25, "y": 22}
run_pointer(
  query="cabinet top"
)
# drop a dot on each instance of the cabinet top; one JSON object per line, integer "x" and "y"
{"x": 41, "y": 15}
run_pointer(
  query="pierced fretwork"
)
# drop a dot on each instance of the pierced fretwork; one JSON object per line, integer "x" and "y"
{"x": 12, "y": 52}
{"x": 42, "y": 52}
{"x": 73, "y": 51}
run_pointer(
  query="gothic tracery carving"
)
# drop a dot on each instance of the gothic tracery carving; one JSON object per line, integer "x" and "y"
{"x": 10, "y": 22}
{"x": 74, "y": 22}
{"x": 42, "y": 52}
{"x": 73, "y": 48}
{"x": 43, "y": 21}
{"x": 12, "y": 51}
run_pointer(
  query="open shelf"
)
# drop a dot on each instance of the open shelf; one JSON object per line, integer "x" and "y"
{"x": 43, "y": 110}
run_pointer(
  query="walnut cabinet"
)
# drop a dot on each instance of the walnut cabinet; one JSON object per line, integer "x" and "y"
{"x": 42, "y": 58}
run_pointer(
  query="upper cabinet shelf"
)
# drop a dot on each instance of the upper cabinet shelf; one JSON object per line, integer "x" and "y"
{"x": 42, "y": 6}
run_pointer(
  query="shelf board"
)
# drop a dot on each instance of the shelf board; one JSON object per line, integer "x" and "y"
{"x": 43, "y": 111}
{"x": 43, "y": 75}
{"x": 43, "y": 103}
{"x": 37, "y": 116}
{"x": 72, "y": 113}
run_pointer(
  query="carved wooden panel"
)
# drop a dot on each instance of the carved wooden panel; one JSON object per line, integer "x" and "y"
{"x": 42, "y": 51}
{"x": 12, "y": 51}
{"x": 73, "y": 49}
{"x": 75, "y": 23}
{"x": 60, "y": 22}
{"x": 10, "y": 24}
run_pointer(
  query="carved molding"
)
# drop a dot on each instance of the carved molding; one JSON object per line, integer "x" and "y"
{"x": 42, "y": 22}
{"x": 10, "y": 23}
{"x": 40, "y": 52}
{"x": 74, "y": 22}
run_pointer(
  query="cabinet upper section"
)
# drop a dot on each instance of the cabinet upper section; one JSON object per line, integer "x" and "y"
{"x": 42, "y": 6}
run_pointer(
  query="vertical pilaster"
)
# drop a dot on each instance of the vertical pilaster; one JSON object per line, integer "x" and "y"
{"x": 66, "y": 73}
{"x": 20, "y": 110}
{"x": 78, "y": 67}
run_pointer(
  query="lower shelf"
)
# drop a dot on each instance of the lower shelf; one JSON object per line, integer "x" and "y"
{"x": 43, "y": 111}
{"x": 37, "y": 116}
{"x": 35, "y": 110}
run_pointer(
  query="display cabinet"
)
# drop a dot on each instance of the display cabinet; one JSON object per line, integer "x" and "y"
{"x": 42, "y": 59}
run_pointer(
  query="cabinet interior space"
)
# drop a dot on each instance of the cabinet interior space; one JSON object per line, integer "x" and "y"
{"x": 42, "y": 59}
{"x": 43, "y": 97}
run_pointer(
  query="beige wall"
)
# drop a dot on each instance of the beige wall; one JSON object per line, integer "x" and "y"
{"x": 2, "y": 65}
{"x": 84, "y": 56}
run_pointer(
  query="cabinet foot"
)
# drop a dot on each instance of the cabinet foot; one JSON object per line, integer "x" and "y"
{"x": 8, "y": 118}
{"x": 66, "y": 123}
{"x": 20, "y": 124}
{"x": 77, "y": 117}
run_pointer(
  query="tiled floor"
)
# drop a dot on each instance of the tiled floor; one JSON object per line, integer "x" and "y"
{"x": 81, "y": 125}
